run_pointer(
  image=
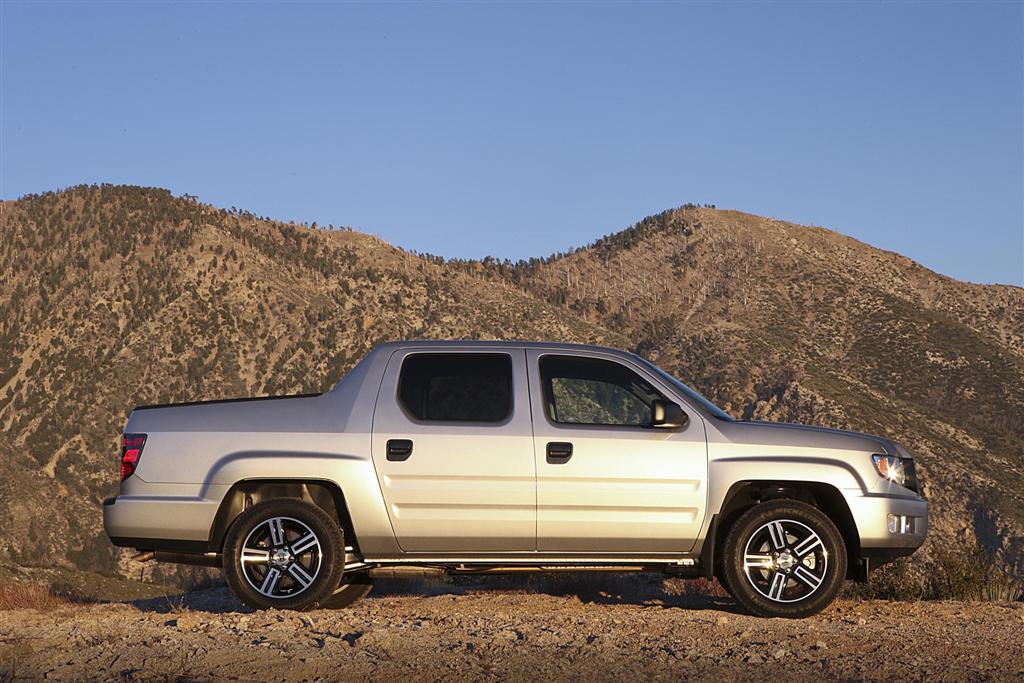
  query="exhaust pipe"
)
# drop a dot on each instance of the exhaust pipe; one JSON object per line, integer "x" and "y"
{"x": 204, "y": 560}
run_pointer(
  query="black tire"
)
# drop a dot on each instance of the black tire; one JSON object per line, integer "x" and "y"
{"x": 720, "y": 575}
{"x": 298, "y": 541}
{"x": 353, "y": 588}
{"x": 784, "y": 558}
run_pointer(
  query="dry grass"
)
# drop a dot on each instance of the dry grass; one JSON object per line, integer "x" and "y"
{"x": 26, "y": 595}
{"x": 952, "y": 573}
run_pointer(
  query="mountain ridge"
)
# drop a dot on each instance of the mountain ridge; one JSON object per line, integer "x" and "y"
{"x": 119, "y": 295}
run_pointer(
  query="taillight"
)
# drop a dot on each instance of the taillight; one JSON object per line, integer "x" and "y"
{"x": 131, "y": 451}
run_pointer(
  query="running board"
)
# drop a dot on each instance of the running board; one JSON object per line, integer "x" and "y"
{"x": 409, "y": 571}
{"x": 553, "y": 568}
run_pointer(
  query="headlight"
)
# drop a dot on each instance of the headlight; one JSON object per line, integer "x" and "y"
{"x": 896, "y": 469}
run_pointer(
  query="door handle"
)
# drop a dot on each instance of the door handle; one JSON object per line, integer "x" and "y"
{"x": 399, "y": 449}
{"x": 559, "y": 452}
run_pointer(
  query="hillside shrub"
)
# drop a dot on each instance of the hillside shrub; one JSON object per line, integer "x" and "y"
{"x": 960, "y": 572}
{"x": 28, "y": 595}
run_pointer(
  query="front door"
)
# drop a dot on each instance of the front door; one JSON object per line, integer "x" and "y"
{"x": 453, "y": 448}
{"x": 607, "y": 481}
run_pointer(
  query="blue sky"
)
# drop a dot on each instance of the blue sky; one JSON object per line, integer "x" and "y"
{"x": 523, "y": 129}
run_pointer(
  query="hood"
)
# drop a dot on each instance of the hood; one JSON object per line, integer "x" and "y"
{"x": 804, "y": 436}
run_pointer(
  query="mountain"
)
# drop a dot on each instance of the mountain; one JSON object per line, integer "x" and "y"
{"x": 115, "y": 296}
{"x": 784, "y": 322}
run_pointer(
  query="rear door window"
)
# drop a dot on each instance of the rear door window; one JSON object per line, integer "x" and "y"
{"x": 456, "y": 387}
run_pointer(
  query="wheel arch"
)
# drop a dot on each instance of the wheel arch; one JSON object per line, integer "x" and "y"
{"x": 325, "y": 494}
{"x": 745, "y": 494}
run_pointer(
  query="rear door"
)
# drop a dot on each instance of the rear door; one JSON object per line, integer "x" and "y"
{"x": 452, "y": 445}
{"x": 607, "y": 481}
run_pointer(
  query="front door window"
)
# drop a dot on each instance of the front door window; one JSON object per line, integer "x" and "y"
{"x": 592, "y": 391}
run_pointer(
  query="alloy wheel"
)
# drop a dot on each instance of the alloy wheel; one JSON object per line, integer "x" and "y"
{"x": 785, "y": 560}
{"x": 281, "y": 557}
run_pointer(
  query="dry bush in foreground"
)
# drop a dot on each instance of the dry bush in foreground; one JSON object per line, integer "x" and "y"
{"x": 955, "y": 573}
{"x": 969, "y": 574}
{"x": 26, "y": 595}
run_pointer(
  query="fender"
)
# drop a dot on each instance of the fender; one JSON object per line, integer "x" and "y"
{"x": 353, "y": 475}
{"x": 725, "y": 472}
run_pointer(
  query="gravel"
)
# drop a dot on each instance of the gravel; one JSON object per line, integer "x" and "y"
{"x": 507, "y": 635}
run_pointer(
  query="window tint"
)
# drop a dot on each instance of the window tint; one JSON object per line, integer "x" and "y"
{"x": 463, "y": 387}
{"x": 591, "y": 391}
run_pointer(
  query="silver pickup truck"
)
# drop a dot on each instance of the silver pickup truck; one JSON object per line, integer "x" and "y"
{"x": 483, "y": 457}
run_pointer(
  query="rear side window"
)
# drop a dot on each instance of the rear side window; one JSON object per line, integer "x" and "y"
{"x": 592, "y": 391}
{"x": 457, "y": 387}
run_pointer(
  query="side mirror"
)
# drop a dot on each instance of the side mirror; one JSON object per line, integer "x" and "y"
{"x": 668, "y": 415}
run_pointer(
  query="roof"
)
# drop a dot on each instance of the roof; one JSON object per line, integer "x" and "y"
{"x": 481, "y": 343}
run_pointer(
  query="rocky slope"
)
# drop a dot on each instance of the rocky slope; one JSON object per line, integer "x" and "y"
{"x": 780, "y": 321}
{"x": 115, "y": 296}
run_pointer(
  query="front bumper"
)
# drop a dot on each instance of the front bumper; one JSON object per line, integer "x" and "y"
{"x": 871, "y": 513}
{"x": 889, "y": 527}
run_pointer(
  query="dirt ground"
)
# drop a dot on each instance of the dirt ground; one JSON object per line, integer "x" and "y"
{"x": 476, "y": 632}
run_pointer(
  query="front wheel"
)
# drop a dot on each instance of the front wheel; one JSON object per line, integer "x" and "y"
{"x": 784, "y": 558}
{"x": 285, "y": 554}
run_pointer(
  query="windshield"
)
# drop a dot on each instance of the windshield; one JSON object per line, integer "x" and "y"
{"x": 691, "y": 394}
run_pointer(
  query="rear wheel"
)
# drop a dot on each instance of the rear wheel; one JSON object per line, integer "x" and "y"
{"x": 784, "y": 559}
{"x": 284, "y": 553}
